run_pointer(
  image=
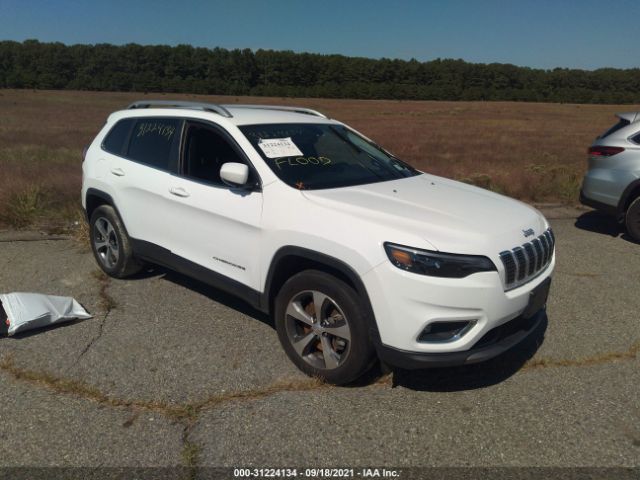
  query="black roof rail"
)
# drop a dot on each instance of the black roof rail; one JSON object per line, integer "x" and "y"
{"x": 208, "y": 107}
{"x": 306, "y": 111}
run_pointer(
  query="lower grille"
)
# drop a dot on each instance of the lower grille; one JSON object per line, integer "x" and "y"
{"x": 525, "y": 262}
{"x": 505, "y": 330}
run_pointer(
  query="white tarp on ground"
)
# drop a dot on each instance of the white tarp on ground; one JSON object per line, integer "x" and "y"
{"x": 26, "y": 311}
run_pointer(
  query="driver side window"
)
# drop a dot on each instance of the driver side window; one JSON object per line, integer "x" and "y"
{"x": 205, "y": 151}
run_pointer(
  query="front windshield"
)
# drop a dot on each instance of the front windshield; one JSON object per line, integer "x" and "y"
{"x": 315, "y": 156}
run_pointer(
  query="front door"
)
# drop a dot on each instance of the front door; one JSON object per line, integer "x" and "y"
{"x": 210, "y": 223}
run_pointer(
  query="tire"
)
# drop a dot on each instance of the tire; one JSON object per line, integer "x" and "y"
{"x": 110, "y": 243}
{"x": 632, "y": 219}
{"x": 336, "y": 348}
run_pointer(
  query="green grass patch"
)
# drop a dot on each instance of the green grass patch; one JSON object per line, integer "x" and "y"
{"x": 40, "y": 187}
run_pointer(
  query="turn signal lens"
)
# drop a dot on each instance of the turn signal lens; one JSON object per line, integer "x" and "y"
{"x": 402, "y": 257}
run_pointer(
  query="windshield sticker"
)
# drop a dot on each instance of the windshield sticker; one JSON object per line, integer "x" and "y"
{"x": 279, "y": 147}
{"x": 323, "y": 161}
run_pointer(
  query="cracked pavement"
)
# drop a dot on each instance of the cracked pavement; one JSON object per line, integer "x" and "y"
{"x": 171, "y": 372}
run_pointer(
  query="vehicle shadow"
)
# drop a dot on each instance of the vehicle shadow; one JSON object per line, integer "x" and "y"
{"x": 470, "y": 377}
{"x": 599, "y": 222}
{"x": 467, "y": 377}
{"x": 206, "y": 290}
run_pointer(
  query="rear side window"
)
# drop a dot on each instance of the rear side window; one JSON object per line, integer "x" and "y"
{"x": 116, "y": 139}
{"x": 154, "y": 142}
{"x": 621, "y": 124}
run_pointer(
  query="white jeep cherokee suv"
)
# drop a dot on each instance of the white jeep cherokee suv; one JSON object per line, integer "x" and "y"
{"x": 353, "y": 252}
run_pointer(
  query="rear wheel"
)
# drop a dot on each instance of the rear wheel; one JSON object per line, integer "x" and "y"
{"x": 632, "y": 219}
{"x": 322, "y": 326}
{"x": 110, "y": 243}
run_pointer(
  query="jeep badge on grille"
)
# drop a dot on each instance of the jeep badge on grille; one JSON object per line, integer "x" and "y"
{"x": 528, "y": 232}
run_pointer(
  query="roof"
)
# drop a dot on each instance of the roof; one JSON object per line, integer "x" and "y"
{"x": 237, "y": 114}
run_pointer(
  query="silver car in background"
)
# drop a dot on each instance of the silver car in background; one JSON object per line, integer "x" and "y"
{"x": 612, "y": 183}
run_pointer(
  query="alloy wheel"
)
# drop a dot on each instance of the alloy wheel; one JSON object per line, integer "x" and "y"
{"x": 318, "y": 329}
{"x": 105, "y": 242}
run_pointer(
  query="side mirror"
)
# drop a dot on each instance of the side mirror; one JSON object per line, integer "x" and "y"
{"x": 234, "y": 174}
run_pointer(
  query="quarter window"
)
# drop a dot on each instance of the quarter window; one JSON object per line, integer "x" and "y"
{"x": 154, "y": 142}
{"x": 116, "y": 139}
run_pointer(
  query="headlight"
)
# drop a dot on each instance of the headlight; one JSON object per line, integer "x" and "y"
{"x": 437, "y": 264}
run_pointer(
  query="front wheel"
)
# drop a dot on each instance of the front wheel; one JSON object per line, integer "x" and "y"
{"x": 322, "y": 326}
{"x": 632, "y": 219}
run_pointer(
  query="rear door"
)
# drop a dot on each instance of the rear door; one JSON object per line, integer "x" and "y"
{"x": 140, "y": 176}
{"x": 214, "y": 225}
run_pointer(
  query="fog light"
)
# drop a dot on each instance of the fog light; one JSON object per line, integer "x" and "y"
{"x": 445, "y": 331}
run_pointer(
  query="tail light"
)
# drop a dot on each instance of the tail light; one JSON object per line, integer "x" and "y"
{"x": 604, "y": 151}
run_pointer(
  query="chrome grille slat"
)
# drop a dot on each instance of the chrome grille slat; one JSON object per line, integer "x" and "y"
{"x": 547, "y": 247}
{"x": 509, "y": 266}
{"x": 531, "y": 258}
{"x": 526, "y": 261}
{"x": 551, "y": 240}
{"x": 539, "y": 253}
{"x": 521, "y": 263}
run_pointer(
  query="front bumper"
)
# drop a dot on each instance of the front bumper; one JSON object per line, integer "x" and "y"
{"x": 404, "y": 304}
{"x": 493, "y": 343}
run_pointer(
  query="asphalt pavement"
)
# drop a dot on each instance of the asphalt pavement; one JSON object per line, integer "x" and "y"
{"x": 171, "y": 372}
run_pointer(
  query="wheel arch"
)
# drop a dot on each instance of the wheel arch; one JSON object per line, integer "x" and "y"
{"x": 94, "y": 198}
{"x": 629, "y": 195}
{"x": 290, "y": 260}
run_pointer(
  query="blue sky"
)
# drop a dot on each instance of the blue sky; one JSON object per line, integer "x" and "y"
{"x": 542, "y": 33}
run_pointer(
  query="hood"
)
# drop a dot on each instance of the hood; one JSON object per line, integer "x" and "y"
{"x": 451, "y": 216}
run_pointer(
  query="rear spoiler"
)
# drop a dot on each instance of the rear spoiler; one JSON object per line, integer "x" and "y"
{"x": 629, "y": 116}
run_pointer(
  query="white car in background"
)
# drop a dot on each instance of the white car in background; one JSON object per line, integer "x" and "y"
{"x": 354, "y": 253}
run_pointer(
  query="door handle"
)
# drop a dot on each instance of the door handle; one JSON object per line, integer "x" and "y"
{"x": 179, "y": 192}
{"x": 118, "y": 172}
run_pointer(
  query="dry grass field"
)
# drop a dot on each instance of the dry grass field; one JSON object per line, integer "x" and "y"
{"x": 532, "y": 151}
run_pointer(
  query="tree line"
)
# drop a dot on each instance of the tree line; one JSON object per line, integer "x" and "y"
{"x": 187, "y": 69}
